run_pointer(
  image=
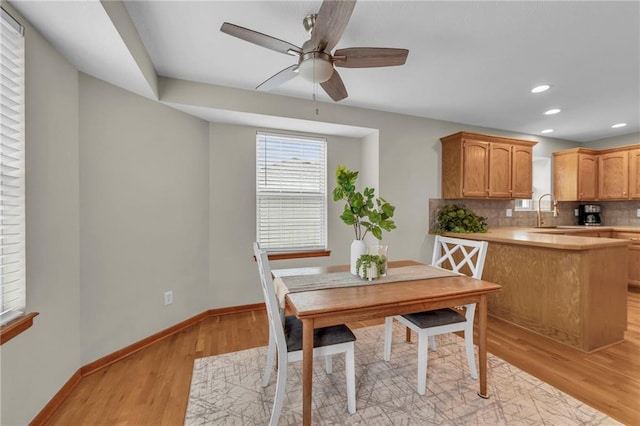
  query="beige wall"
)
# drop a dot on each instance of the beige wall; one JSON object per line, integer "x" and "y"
{"x": 630, "y": 139}
{"x": 38, "y": 362}
{"x": 144, "y": 211}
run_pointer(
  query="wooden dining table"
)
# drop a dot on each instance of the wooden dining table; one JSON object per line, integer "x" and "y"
{"x": 331, "y": 306}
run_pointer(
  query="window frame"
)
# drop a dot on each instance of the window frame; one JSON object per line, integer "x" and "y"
{"x": 13, "y": 317}
{"x": 281, "y": 143}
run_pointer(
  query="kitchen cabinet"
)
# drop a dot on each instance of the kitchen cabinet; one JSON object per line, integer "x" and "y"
{"x": 522, "y": 172}
{"x": 581, "y": 174}
{"x": 475, "y": 170}
{"x": 572, "y": 290}
{"x": 484, "y": 166}
{"x": 613, "y": 175}
{"x": 499, "y": 170}
{"x": 634, "y": 174}
{"x": 593, "y": 234}
{"x": 575, "y": 175}
{"x": 634, "y": 256}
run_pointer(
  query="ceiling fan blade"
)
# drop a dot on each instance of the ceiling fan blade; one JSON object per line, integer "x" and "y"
{"x": 335, "y": 87}
{"x": 366, "y": 57}
{"x": 331, "y": 21}
{"x": 279, "y": 78}
{"x": 260, "y": 39}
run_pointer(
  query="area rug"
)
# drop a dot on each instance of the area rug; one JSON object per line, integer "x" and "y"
{"x": 226, "y": 390}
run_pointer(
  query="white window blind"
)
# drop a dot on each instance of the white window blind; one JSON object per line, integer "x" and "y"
{"x": 12, "y": 200}
{"x": 291, "y": 192}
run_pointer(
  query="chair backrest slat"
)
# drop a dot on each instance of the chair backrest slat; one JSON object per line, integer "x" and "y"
{"x": 271, "y": 301}
{"x": 460, "y": 255}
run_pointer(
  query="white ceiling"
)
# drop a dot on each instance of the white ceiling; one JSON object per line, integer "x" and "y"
{"x": 469, "y": 62}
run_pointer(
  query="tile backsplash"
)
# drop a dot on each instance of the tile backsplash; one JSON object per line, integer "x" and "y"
{"x": 618, "y": 213}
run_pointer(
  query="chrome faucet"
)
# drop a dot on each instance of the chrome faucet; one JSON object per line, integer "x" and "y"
{"x": 540, "y": 220}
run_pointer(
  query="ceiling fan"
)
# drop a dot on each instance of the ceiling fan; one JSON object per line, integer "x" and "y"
{"x": 315, "y": 61}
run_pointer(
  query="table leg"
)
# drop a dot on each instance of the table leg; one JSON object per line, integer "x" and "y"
{"x": 307, "y": 369}
{"x": 482, "y": 345}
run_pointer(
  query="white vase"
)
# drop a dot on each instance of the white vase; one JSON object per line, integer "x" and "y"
{"x": 358, "y": 248}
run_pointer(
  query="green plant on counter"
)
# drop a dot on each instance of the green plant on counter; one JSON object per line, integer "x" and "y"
{"x": 459, "y": 219}
{"x": 368, "y": 260}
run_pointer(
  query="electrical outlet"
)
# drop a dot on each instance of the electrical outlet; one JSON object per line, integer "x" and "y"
{"x": 168, "y": 298}
{"x": 509, "y": 212}
{"x": 638, "y": 213}
{"x": 576, "y": 212}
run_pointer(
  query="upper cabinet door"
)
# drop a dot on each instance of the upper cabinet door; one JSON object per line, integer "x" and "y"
{"x": 475, "y": 168}
{"x": 587, "y": 177}
{"x": 484, "y": 166}
{"x": 613, "y": 173}
{"x": 499, "y": 170}
{"x": 522, "y": 172}
{"x": 634, "y": 174}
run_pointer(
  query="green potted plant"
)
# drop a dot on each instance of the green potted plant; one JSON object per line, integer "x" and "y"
{"x": 370, "y": 266}
{"x": 363, "y": 211}
{"x": 458, "y": 219}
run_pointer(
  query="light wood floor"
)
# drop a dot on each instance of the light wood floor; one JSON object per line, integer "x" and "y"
{"x": 152, "y": 386}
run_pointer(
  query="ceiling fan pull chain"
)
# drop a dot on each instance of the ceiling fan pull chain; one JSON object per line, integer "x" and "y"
{"x": 315, "y": 97}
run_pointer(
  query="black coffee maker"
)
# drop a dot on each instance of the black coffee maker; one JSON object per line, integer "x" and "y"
{"x": 589, "y": 215}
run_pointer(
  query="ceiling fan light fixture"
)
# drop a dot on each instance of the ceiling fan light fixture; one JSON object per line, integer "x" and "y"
{"x": 315, "y": 67}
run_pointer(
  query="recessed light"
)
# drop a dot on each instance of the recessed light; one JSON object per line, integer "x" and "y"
{"x": 540, "y": 89}
{"x": 552, "y": 111}
{"x": 618, "y": 125}
{"x": 547, "y": 131}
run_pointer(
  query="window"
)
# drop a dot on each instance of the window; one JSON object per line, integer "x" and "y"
{"x": 12, "y": 201}
{"x": 291, "y": 192}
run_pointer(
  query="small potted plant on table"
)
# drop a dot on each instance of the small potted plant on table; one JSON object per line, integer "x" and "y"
{"x": 371, "y": 266}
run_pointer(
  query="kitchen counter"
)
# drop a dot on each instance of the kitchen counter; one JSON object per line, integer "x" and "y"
{"x": 569, "y": 288}
{"x": 552, "y": 237}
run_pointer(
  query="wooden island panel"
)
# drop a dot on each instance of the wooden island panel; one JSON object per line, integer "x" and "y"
{"x": 576, "y": 297}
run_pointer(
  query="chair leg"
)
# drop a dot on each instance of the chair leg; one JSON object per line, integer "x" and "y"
{"x": 350, "y": 371}
{"x": 423, "y": 355}
{"x": 388, "y": 336}
{"x": 471, "y": 359}
{"x": 281, "y": 383}
{"x": 328, "y": 364}
{"x": 432, "y": 340}
{"x": 271, "y": 352}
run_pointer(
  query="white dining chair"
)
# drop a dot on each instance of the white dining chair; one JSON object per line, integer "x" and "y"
{"x": 285, "y": 339}
{"x": 457, "y": 255}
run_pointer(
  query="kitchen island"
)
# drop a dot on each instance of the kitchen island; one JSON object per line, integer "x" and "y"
{"x": 569, "y": 288}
